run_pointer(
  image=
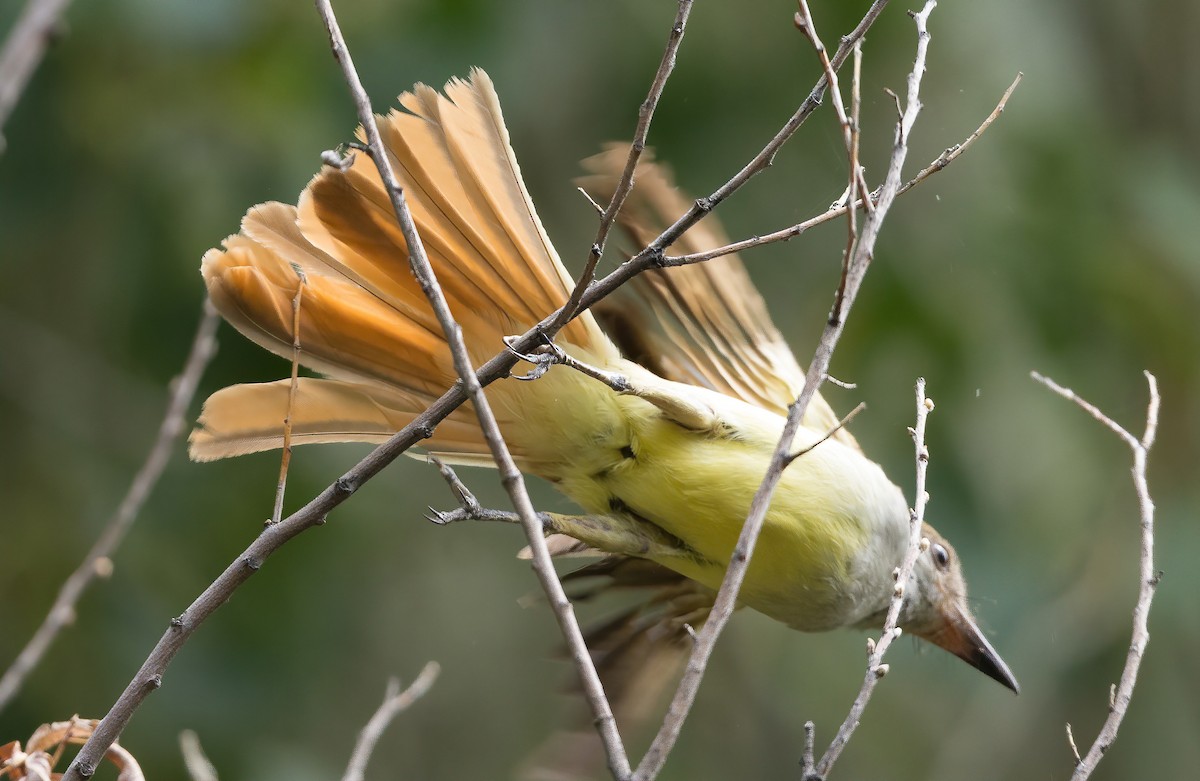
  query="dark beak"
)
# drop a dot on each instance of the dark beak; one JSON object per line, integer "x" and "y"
{"x": 961, "y": 637}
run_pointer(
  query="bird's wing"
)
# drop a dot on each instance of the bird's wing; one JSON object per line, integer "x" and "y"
{"x": 704, "y": 324}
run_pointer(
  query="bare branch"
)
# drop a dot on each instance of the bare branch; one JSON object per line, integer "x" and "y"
{"x": 840, "y": 209}
{"x": 1148, "y": 578}
{"x": 726, "y": 600}
{"x": 394, "y": 703}
{"x": 33, "y": 31}
{"x": 98, "y": 560}
{"x": 806, "y": 25}
{"x": 625, "y": 183}
{"x": 950, "y": 155}
{"x": 759, "y": 163}
{"x": 876, "y": 649}
{"x": 510, "y": 476}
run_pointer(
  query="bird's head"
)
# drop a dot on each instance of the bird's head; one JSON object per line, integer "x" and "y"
{"x": 936, "y": 610}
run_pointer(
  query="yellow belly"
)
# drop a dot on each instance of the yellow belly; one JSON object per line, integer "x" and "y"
{"x": 699, "y": 489}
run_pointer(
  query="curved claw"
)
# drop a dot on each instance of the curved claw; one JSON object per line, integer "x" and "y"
{"x": 542, "y": 358}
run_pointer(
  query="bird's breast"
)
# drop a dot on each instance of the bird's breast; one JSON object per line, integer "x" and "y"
{"x": 698, "y": 487}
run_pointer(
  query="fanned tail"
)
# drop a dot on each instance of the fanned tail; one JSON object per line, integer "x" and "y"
{"x": 364, "y": 321}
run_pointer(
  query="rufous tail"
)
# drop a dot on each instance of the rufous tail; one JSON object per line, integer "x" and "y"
{"x": 364, "y": 322}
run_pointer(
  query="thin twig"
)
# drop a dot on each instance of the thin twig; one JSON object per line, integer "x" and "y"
{"x": 285, "y": 459}
{"x": 841, "y": 424}
{"x": 726, "y": 599}
{"x": 99, "y": 559}
{"x": 625, "y": 184}
{"x": 876, "y": 649}
{"x": 510, "y": 476}
{"x": 24, "y": 48}
{"x": 195, "y": 761}
{"x": 944, "y": 159}
{"x": 950, "y": 155}
{"x": 849, "y": 127}
{"x": 1148, "y": 577}
{"x": 394, "y": 703}
{"x": 653, "y": 252}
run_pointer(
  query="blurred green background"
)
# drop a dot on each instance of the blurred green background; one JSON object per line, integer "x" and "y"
{"x": 1065, "y": 241}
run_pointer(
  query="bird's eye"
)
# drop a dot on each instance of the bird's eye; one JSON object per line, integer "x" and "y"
{"x": 941, "y": 556}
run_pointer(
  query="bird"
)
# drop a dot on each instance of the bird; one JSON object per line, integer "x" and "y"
{"x": 663, "y": 465}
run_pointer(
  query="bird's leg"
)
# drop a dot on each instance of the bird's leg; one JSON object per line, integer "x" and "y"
{"x": 690, "y": 413}
{"x": 619, "y": 533}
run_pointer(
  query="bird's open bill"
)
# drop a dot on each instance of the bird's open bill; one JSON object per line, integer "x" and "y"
{"x": 962, "y": 637}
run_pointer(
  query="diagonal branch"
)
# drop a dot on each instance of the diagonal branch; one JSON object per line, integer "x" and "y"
{"x": 510, "y": 476}
{"x": 32, "y": 33}
{"x": 625, "y": 184}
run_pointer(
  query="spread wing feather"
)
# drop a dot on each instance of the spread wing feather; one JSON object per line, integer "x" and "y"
{"x": 704, "y": 323}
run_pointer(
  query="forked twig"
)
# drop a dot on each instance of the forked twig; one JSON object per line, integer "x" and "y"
{"x": 876, "y": 668}
{"x": 839, "y": 209}
{"x": 1148, "y": 578}
{"x": 394, "y": 703}
{"x": 848, "y": 123}
{"x": 608, "y": 216}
